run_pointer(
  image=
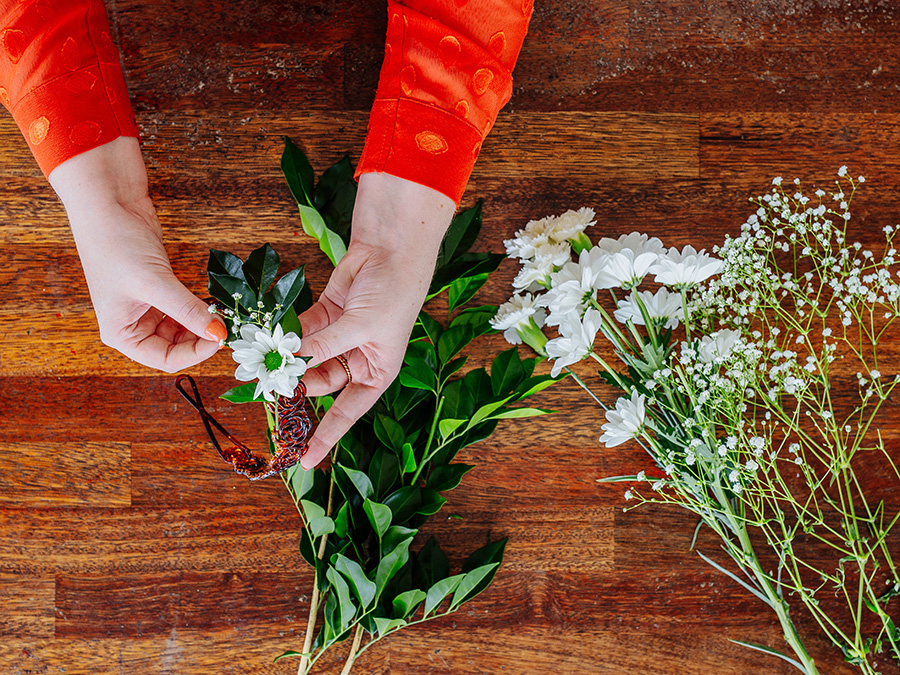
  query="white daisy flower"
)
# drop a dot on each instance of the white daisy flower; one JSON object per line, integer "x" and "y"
{"x": 270, "y": 358}
{"x": 717, "y": 347}
{"x": 517, "y": 313}
{"x": 663, "y": 307}
{"x": 572, "y": 287}
{"x": 625, "y": 422}
{"x": 686, "y": 268}
{"x": 575, "y": 342}
{"x": 535, "y": 273}
{"x": 625, "y": 268}
{"x": 570, "y": 224}
{"x": 635, "y": 241}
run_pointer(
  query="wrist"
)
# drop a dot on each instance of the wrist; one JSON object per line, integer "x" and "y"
{"x": 400, "y": 217}
{"x": 106, "y": 176}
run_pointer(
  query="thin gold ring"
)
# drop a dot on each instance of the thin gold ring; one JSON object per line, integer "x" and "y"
{"x": 343, "y": 361}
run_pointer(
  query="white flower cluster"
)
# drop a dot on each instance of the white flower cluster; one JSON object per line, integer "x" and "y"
{"x": 270, "y": 357}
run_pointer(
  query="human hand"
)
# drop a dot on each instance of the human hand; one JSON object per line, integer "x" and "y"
{"x": 367, "y": 311}
{"x": 142, "y": 309}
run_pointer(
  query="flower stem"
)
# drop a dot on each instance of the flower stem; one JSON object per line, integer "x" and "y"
{"x": 354, "y": 650}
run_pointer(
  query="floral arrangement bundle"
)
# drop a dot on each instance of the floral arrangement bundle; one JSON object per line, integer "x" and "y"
{"x": 754, "y": 380}
{"x": 389, "y": 474}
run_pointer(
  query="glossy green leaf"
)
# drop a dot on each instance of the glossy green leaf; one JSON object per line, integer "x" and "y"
{"x": 467, "y": 588}
{"x": 405, "y": 604}
{"x": 335, "y": 198}
{"x": 517, "y": 413}
{"x": 417, "y": 376}
{"x": 506, "y": 372}
{"x": 534, "y": 385}
{"x": 290, "y": 323}
{"x": 286, "y": 654}
{"x": 346, "y": 606}
{"x": 436, "y": 594}
{"x": 391, "y": 563}
{"x": 395, "y": 535}
{"x": 466, "y": 265}
{"x": 421, "y": 352}
{"x": 233, "y": 286}
{"x": 431, "y": 502}
{"x": 385, "y": 626}
{"x": 298, "y": 173}
{"x": 408, "y": 458}
{"x": 261, "y": 268}
{"x": 448, "y": 476}
{"x": 389, "y": 432}
{"x": 342, "y": 520}
{"x": 432, "y": 328}
{"x": 477, "y": 317}
{"x": 383, "y": 470}
{"x": 462, "y": 290}
{"x": 447, "y": 427}
{"x": 491, "y": 554}
{"x": 451, "y": 367}
{"x": 223, "y": 262}
{"x": 453, "y": 340}
{"x": 362, "y": 586}
{"x": 486, "y": 411}
{"x": 287, "y": 289}
{"x": 379, "y": 515}
{"x": 404, "y": 502}
{"x": 432, "y": 565}
{"x": 319, "y": 523}
{"x": 302, "y": 480}
{"x": 243, "y": 394}
{"x": 360, "y": 480}
{"x": 329, "y": 242}
{"x": 461, "y": 234}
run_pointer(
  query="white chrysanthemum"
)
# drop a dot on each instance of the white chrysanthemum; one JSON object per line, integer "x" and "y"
{"x": 516, "y": 314}
{"x": 572, "y": 287}
{"x": 662, "y": 307}
{"x": 570, "y": 224}
{"x": 718, "y": 346}
{"x": 635, "y": 241}
{"x": 685, "y": 268}
{"x": 536, "y": 272}
{"x": 625, "y": 268}
{"x": 575, "y": 342}
{"x": 526, "y": 242}
{"x": 625, "y": 422}
{"x": 270, "y": 358}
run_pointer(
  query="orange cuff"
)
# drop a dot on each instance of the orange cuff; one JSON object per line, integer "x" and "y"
{"x": 61, "y": 78}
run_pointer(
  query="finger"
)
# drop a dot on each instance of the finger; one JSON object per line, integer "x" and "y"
{"x": 352, "y": 404}
{"x": 336, "y": 338}
{"x": 158, "y": 352}
{"x": 322, "y": 313}
{"x": 325, "y": 379}
{"x": 170, "y": 297}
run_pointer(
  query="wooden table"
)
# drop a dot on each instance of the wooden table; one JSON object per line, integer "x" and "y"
{"x": 127, "y": 547}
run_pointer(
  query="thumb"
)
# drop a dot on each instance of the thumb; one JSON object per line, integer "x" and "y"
{"x": 171, "y": 297}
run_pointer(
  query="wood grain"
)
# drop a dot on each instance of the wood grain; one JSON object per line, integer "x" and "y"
{"x": 126, "y": 545}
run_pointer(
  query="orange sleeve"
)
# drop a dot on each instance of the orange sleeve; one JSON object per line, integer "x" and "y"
{"x": 447, "y": 72}
{"x": 61, "y": 78}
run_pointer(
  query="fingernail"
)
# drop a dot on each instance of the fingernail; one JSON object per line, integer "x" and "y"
{"x": 216, "y": 331}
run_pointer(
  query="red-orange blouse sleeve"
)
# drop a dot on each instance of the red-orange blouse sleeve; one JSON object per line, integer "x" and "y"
{"x": 60, "y": 77}
{"x": 447, "y": 72}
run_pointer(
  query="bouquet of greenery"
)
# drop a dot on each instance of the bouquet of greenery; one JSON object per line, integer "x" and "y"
{"x": 754, "y": 381}
{"x": 391, "y": 472}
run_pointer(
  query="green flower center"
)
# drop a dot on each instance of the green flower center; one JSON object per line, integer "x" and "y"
{"x": 273, "y": 361}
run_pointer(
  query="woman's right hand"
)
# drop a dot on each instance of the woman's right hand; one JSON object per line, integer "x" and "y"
{"x": 142, "y": 309}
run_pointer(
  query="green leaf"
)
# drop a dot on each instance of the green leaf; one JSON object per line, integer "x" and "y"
{"x": 233, "y": 286}
{"x": 448, "y": 476}
{"x": 452, "y": 366}
{"x": 342, "y": 520}
{"x": 436, "y": 594}
{"x": 447, "y": 427}
{"x": 404, "y": 502}
{"x": 395, "y": 535}
{"x": 335, "y": 197}
{"x": 461, "y": 234}
{"x": 379, "y": 515}
{"x": 391, "y": 563}
{"x": 477, "y": 317}
{"x": 329, "y": 242}
{"x": 390, "y": 432}
{"x": 243, "y": 394}
{"x": 408, "y": 457}
{"x": 261, "y": 268}
{"x": 385, "y": 626}
{"x": 405, "y": 604}
{"x": 383, "y": 470}
{"x": 466, "y": 590}
{"x": 516, "y": 413}
{"x": 285, "y": 655}
{"x": 298, "y": 172}
{"x": 302, "y": 480}
{"x": 466, "y": 265}
{"x": 288, "y": 288}
{"x": 360, "y": 480}
{"x": 463, "y": 290}
{"x": 486, "y": 411}
{"x": 346, "y": 607}
{"x": 363, "y": 587}
{"x": 432, "y": 565}
{"x": 431, "y": 502}
{"x": 290, "y": 323}
{"x": 223, "y": 262}
{"x": 319, "y": 523}
{"x": 534, "y": 385}
{"x": 507, "y": 372}
{"x": 453, "y": 340}
{"x": 417, "y": 376}
{"x": 432, "y": 328}
{"x": 491, "y": 554}
{"x": 422, "y": 353}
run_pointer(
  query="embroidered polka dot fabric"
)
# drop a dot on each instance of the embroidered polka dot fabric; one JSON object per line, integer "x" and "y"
{"x": 447, "y": 73}
{"x": 66, "y": 95}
